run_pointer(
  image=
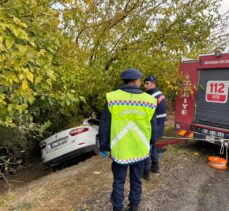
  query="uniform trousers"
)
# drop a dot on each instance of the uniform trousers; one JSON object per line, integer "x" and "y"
{"x": 119, "y": 174}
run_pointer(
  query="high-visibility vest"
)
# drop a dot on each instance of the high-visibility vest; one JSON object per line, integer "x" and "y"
{"x": 130, "y": 125}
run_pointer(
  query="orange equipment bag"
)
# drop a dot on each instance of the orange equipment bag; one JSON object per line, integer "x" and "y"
{"x": 217, "y": 162}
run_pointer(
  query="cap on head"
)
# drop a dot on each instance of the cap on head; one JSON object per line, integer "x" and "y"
{"x": 150, "y": 78}
{"x": 131, "y": 74}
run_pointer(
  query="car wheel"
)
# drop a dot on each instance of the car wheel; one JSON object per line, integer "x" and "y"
{"x": 96, "y": 149}
{"x": 54, "y": 168}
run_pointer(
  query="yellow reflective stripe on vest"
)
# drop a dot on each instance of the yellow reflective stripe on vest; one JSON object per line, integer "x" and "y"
{"x": 124, "y": 132}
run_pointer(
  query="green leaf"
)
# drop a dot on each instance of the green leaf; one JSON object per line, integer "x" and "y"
{"x": 31, "y": 99}
{"x": 9, "y": 42}
{"x": 68, "y": 102}
{"x": 50, "y": 56}
{"x": 82, "y": 99}
{"x": 22, "y": 34}
{"x": 45, "y": 85}
{"x": 38, "y": 79}
{"x": 13, "y": 29}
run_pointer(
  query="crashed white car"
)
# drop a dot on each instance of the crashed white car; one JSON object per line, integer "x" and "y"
{"x": 70, "y": 143}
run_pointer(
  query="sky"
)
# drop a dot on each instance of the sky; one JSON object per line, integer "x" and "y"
{"x": 224, "y": 6}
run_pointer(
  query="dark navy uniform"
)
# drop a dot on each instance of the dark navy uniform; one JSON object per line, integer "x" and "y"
{"x": 160, "y": 110}
{"x": 160, "y": 119}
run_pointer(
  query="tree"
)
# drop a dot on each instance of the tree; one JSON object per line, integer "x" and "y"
{"x": 58, "y": 58}
{"x": 30, "y": 42}
{"x": 148, "y": 34}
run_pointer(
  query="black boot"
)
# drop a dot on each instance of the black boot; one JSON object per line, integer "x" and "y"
{"x": 155, "y": 169}
{"x": 146, "y": 175}
{"x": 131, "y": 207}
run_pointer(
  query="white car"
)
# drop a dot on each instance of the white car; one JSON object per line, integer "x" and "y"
{"x": 70, "y": 143}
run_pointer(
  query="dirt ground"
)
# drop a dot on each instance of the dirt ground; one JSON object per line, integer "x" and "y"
{"x": 186, "y": 183}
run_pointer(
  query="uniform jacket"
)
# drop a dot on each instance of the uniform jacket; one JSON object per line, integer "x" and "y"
{"x": 105, "y": 122}
{"x": 160, "y": 110}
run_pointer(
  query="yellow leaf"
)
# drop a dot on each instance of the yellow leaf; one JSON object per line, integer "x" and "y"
{"x": 1, "y": 40}
{"x": 89, "y": 2}
{"x": 15, "y": 79}
{"x": 13, "y": 29}
{"x": 49, "y": 81}
{"x": 2, "y": 97}
{"x": 24, "y": 85}
{"x": 21, "y": 48}
{"x": 21, "y": 76}
{"x": 29, "y": 75}
{"x": 19, "y": 22}
{"x": 32, "y": 43}
{"x": 41, "y": 52}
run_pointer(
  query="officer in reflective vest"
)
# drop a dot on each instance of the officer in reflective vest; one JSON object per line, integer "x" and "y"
{"x": 126, "y": 131}
{"x": 150, "y": 87}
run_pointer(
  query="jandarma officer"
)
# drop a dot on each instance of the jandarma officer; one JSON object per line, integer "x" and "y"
{"x": 126, "y": 130}
{"x": 150, "y": 87}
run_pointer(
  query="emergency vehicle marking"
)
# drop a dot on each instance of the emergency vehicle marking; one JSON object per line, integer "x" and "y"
{"x": 209, "y": 103}
{"x": 184, "y": 110}
{"x": 217, "y": 91}
{"x": 217, "y": 62}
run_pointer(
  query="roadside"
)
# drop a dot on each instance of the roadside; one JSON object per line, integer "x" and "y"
{"x": 185, "y": 183}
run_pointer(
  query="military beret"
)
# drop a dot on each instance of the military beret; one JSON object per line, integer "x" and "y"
{"x": 131, "y": 74}
{"x": 150, "y": 78}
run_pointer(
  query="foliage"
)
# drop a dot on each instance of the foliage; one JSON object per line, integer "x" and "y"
{"x": 149, "y": 35}
{"x": 32, "y": 85}
{"x": 58, "y": 58}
